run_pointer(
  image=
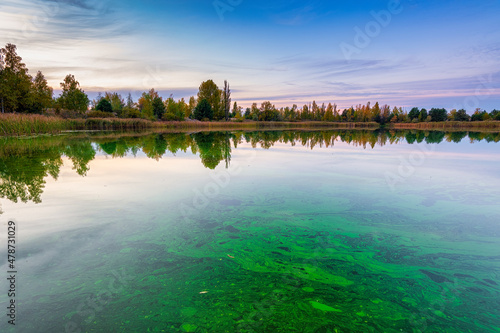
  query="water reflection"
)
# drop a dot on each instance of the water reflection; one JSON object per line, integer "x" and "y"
{"x": 25, "y": 163}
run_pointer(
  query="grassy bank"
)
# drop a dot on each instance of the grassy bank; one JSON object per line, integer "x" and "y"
{"x": 23, "y": 124}
{"x": 449, "y": 125}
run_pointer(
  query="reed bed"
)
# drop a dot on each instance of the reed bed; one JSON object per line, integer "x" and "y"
{"x": 450, "y": 125}
{"x": 28, "y": 124}
{"x": 24, "y": 124}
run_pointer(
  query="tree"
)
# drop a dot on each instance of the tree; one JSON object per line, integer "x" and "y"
{"x": 175, "y": 110}
{"x": 414, "y": 113}
{"x": 72, "y": 97}
{"x": 116, "y": 101}
{"x": 304, "y": 115}
{"x": 129, "y": 110}
{"x": 191, "y": 106}
{"x": 375, "y": 112}
{"x": 268, "y": 112}
{"x": 104, "y": 105}
{"x": 438, "y": 114}
{"x": 384, "y": 114}
{"x": 423, "y": 115}
{"x": 15, "y": 82}
{"x": 203, "y": 110}
{"x": 461, "y": 115}
{"x": 236, "y": 110}
{"x": 145, "y": 104}
{"x": 184, "y": 109}
{"x": 480, "y": 115}
{"x": 348, "y": 114}
{"x": 41, "y": 94}
{"x": 495, "y": 115}
{"x": 212, "y": 94}
{"x": 315, "y": 111}
{"x": 396, "y": 114}
{"x": 158, "y": 107}
{"x": 290, "y": 114}
{"x": 226, "y": 100}
{"x": 255, "y": 112}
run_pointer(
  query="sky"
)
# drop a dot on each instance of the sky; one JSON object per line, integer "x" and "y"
{"x": 406, "y": 53}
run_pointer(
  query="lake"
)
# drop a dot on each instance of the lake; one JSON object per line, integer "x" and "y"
{"x": 273, "y": 231}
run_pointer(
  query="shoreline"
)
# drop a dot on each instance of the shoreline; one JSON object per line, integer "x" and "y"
{"x": 23, "y": 124}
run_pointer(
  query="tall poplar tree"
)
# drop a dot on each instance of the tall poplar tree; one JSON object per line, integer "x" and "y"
{"x": 226, "y": 100}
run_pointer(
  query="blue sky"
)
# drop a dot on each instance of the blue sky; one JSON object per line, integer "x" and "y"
{"x": 418, "y": 53}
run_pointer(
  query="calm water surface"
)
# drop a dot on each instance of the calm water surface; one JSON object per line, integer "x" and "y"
{"x": 346, "y": 231}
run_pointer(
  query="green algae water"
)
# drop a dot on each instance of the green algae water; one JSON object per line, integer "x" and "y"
{"x": 294, "y": 231}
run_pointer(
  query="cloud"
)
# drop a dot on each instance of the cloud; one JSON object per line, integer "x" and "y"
{"x": 85, "y": 4}
{"x": 45, "y": 22}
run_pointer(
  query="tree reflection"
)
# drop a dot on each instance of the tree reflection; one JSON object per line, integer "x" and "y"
{"x": 26, "y": 164}
{"x": 213, "y": 147}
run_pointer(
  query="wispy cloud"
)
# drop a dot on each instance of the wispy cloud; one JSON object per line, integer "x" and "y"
{"x": 285, "y": 51}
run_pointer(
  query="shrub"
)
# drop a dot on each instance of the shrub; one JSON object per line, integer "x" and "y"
{"x": 99, "y": 114}
{"x": 133, "y": 113}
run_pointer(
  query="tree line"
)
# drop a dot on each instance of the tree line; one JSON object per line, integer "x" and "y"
{"x": 22, "y": 93}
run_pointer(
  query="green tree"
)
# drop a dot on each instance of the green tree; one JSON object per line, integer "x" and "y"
{"x": 158, "y": 107}
{"x": 375, "y": 112}
{"x": 203, "y": 110}
{"x": 104, "y": 105}
{"x": 268, "y": 112}
{"x": 315, "y": 111}
{"x": 414, "y": 113}
{"x": 190, "y": 107}
{"x": 175, "y": 110}
{"x": 116, "y": 101}
{"x": 212, "y": 94}
{"x": 304, "y": 114}
{"x": 145, "y": 104}
{"x": 438, "y": 114}
{"x": 254, "y": 112}
{"x": 15, "y": 82}
{"x": 41, "y": 94}
{"x": 329, "y": 113}
{"x": 495, "y": 114}
{"x": 72, "y": 97}
{"x": 130, "y": 110}
{"x": 461, "y": 115}
{"x": 480, "y": 115}
{"x": 423, "y": 115}
{"x": 236, "y": 110}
